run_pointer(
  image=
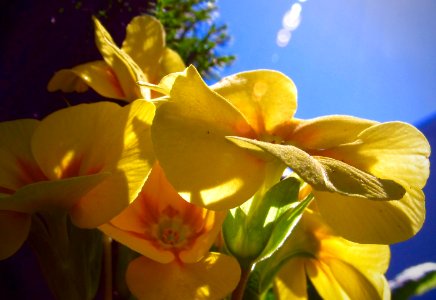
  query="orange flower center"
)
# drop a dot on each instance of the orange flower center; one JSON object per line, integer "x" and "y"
{"x": 174, "y": 230}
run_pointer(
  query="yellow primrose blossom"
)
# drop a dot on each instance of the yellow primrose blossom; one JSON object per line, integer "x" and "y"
{"x": 175, "y": 237}
{"x": 142, "y": 57}
{"x": 356, "y": 167}
{"x": 337, "y": 268}
{"x": 90, "y": 160}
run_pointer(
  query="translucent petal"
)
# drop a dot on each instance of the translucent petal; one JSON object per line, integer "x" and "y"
{"x": 97, "y": 75}
{"x": 290, "y": 282}
{"x": 213, "y": 277}
{"x": 188, "y": 134}
{"x": 145, "y": 43}
{"x": 324, "y": 280}
{"x": 17, "y": 164}
{"x": 358, "y": 285}
{"x": 329, "y": 131}
{"x": 377, "y": 222}
{"x": 92, "y": 138}
{"x": 171, "y": 62}
{"x": 126, "y": 70}
{"x": 393, "y": 150}
{"x": 267, "y": 99}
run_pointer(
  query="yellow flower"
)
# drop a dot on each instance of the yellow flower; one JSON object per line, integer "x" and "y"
{"x": 337, "y": 268}
{"x": 354, "y": 165}
{"x": 175, "y": 237}
{"x": 90, "y": 160}
{"x": 142, "y": 57}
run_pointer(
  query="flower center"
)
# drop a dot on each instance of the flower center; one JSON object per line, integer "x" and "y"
{"x": 173, "y": 231}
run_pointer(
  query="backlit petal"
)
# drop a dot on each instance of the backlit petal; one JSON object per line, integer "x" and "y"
{"x": 267, "y": 99}
{"x": 171, "y": 62}
{"x": 92, "y": 138}
{"x": 144, "y": 43}
{"x": 14, "y": 228}
{"x": 329, "y": 131}
{"x": 17, "y": 165}
{"x": 97, "y": 75}
{"x": 126, "y": 70}
{"x": 324, "y": 280}
{"x": 355, "y": 284}
{"x": 189, "y": 132}
{"x": 213, "y": 277}
{"x": 377, "y": 222}
{"x": 393, "y": 150}
{"x": 290, "y": 282}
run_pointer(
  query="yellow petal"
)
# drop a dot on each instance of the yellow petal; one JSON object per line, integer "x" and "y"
{"x": 126, "y": 70}
{"x": 204, "y": 242}
{"x": 188, "y": 134}
{"x": 97, "y": 75}
{"x": 213, "y": 277}
{"x": 14, "y": 228}
{"x": 324, "y": 280}
{"x": 143, "y": 214}
{"x": 358, "y": 285}
{"x": 267, "y": 99}
{"x": 329, "y": 131}
{"x": 290, "y": 282}
{"x": 92, "y": 138}
{"x": 377, "y": 222}
{"x": 171, "y": 62}
{"x": 17, "y": 164}
{"x": 393, "y": 150}
{"x": 363, "y": 257}
{"x": 52, "y": 195}
{"x": 145, "y": 43}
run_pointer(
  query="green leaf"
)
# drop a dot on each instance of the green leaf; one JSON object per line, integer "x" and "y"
{"x": 248, "y": 229}
{"x": 414, "y": 281}
{"x": 283, "y": 228}
{"x": 327, "y": 174}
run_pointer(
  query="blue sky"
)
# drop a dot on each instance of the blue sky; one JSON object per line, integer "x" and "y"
{"x": 374, "y": 59}
{"x": 367, "y": 58}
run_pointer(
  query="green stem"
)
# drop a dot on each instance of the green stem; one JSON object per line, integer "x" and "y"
{"x": 107, "y": 267}
{"x": 69, "y": 257}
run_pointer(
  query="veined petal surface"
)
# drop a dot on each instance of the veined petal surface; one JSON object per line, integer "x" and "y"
{"x": 17, "y": 164}
{"x": 89, "y": 139}
{"x": 97, "y": 75}
{"x": 213, "y": 277}
{"x": 125, "y": 68}
{"x": 267, "y": 99}
{"x": 188, "y": 134}
{"x": 145, "y": 43}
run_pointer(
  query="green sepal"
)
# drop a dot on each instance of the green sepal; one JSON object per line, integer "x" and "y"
{"x": 283, "y": 228}
{"x": 326, "y": 174}
{"x": 248, "y": 229}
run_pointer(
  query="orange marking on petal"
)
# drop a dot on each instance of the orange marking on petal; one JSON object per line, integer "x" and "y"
{"x": 29, "y": 172}
{"x": 113, "y": 79}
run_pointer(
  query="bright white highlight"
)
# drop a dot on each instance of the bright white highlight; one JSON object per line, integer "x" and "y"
{"x": 291, "y": 20}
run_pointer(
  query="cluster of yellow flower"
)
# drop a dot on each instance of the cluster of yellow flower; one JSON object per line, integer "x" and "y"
{"x": 161, "y": 174}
